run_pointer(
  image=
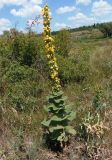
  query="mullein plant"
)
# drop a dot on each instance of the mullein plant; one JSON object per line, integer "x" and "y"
{"x": 57, "y": 125}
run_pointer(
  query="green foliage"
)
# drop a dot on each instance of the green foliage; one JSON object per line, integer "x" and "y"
{"x": 22, "y": 86}
{"x": 63, "y": 42}
{"x": 26, "y": 48}
{"x": 97, "y": 100}
{"x": 4, "y": 47}
{"x": 106, "y": 29}
{"x": 60, "y": 115}
{"x": 17, "y": 73}
{"x": 30, "y": 51}
{"x": 21, "y": 99}
{"x": 92, "y": 127}
{"x": 74, "y": 70}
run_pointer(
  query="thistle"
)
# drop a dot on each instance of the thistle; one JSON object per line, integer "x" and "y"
{"x": 57, "y": 129}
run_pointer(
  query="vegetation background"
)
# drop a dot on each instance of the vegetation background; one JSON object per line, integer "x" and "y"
{"x": 84, "y": 57}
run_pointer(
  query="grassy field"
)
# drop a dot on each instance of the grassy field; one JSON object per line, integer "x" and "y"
{"x": 86, "y": 70}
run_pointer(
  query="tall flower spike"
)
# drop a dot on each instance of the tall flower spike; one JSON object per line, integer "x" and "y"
{"x": 50, "y": 49}
{"x": 57, "y": 128}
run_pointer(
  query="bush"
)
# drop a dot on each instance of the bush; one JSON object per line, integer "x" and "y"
{"x": 106, "y": 29}
{"x": 17, "y": 73}
{"x": 63, "y": 42}
{"x": 21, "y": 97}
{"x": 23, "y": 87}
{"x": 26, "y": 48}
{"x": 5, "y": 47}
{"x": 73, "y": 70}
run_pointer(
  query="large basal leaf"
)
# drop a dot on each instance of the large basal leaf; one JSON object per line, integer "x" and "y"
{"x": 60, "y": 93}
{"x": 54, "y": 109}
{"x": 46, "y": 109}
{"x": 62, "y": 100}
{"x": 55, "y": 95}
{"x": 50, "y": 108}
{"x": 68, "y": 109}
{"x": 51, "y": 129}
{"x": 46, "y": 123}
{"x": 72, "y": 116}
{"x": 55, "y": 118}
{"x": 61, "y": 137}
{"x": 70, "y": 130}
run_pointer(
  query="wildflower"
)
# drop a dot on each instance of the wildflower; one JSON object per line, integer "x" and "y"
{"x": 50, "y": 49}
{"x": 55, "y": 135}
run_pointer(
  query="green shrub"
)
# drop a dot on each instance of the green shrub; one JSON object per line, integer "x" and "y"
{"x": 73, "y": 70}
{"x": 63, "y": 42}
{"x": 5, "y": 47}
{"x": 16, "y": 73}
{"x": 24, "y": 87}
{"x": 106, "y": 29}
{"x": 26, "y": 48}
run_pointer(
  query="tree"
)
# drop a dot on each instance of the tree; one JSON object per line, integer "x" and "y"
{"x": 106, "y": 29}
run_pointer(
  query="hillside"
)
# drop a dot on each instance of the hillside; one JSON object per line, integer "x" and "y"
{"x": 85, "y": 70}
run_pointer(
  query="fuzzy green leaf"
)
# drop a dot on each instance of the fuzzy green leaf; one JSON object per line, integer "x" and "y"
{"x": 61, "y": 137}
{"x": 46, "y": 109}
{"x": 60, "y": 93}
{"x": 51, "y": 129}
{"x": 72, "y": 116}
{"x": 50, "y": 108}
{"x": 46, "y": 123}
{"x": 62, "y": 100}
{"x": 55, "y": 118}
{"x": 70, "y": 130}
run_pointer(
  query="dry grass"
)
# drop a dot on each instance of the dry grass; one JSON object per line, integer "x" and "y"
{"x": 21, "y": 133}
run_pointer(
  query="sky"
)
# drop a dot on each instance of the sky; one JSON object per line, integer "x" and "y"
{"x": 65, "y": 13}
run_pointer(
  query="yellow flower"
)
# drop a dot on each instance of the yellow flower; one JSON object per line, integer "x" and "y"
{"x": 50, "y": 49}
{"x": 53, "y": 76}
{"x": 54, "y": 59}
{"x": 46, "y": 46}
{"x": 48, "y": 56}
